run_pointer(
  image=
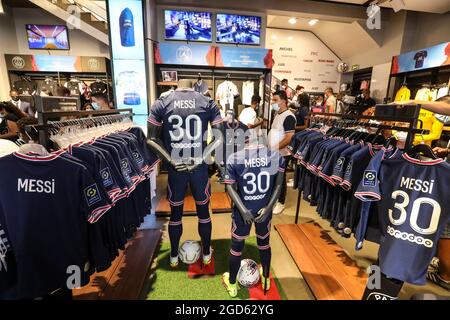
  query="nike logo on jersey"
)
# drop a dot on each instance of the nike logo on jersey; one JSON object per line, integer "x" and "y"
{"x": 417, "y": 185}
{"x": 36, "y": 186}
{"x": 184, "y": 104}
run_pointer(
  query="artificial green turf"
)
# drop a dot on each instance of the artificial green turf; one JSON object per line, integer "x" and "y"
{"x": 174, "y": 284}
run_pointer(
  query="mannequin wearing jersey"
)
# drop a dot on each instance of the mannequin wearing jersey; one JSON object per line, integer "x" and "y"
{"x": 167, "y": 116}
{"x": 251, "y": 207}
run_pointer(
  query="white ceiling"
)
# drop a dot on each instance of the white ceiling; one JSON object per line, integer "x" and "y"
{"x": 333, "y": 33}
{"x": 432, "y": 6}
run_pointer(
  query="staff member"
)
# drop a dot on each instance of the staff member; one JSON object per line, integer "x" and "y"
{"x": 280, "y": 135}
{"x": 23, "y": 106}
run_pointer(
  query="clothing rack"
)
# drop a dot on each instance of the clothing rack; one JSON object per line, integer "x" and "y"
{"x": 44, "y": 118}
{"x": 411, "y": 129}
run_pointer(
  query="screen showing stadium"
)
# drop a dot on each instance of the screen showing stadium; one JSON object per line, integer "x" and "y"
{"x": 47, "y": 37}
{"x": 188, "y": 25}
{"x": 232, "y": 28}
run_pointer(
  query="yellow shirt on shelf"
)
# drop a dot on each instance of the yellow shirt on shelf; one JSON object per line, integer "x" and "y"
{"x": 403, "y": 94}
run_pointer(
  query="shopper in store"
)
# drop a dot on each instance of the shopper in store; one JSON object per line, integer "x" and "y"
{"x": 367, "y": 101}
{"x": 62, "y": 92}
{"x": 440, "y": 106}
{"x": 340, "y": 105}
{"x": 285, "y": 87}
{"x": 249, "y": 115}
{"x": 23, "y": 106}
{"x": 280, "y": 135}
{"x": 100, "y": 102}
{"x": 301, "y": 98}
{"x": 9, "y": 115}
{"x": 330, "y": 101}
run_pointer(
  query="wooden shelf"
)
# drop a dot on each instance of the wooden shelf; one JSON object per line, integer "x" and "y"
{"x": 168, "y": 84}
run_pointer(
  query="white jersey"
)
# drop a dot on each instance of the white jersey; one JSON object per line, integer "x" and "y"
{"x": 226, "y": 91}
{"x": 248, "y": 88}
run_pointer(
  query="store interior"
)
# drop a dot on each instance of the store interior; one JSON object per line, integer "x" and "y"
{"x": 314, "y": 44}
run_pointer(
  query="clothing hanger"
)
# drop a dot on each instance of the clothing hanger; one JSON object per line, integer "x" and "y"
{"x": 423, "y": 149}
{"x": 32, "y": 147}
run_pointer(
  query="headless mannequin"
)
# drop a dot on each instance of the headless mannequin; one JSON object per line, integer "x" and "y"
{"x": 157, "y": 145}
{"x": 262, "y": 214}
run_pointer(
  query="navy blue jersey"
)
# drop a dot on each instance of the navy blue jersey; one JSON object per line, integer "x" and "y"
{"x": 126, "y": 26}
{"x": 412, "y": 212}
{"x": 254, "y": 169}
{"x": 45, "y": 205}
{"x": 234, "y": 139}
{"x": 184, "y": 116}
{"x": 342, "y": 162}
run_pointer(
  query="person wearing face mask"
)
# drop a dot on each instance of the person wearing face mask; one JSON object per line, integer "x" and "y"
{"x": 100, "y": 102}
{"x": 280, "y": 135}
{"x": 9, "y": 115}
{"x": 23, "y": 106}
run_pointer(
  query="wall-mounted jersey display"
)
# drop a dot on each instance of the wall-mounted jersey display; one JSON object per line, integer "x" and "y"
{"x": 126, "y": 22}
{"x": 226, "y": 91}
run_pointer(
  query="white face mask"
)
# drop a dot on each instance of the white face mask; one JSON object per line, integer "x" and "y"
{"x": 276, "y": 107}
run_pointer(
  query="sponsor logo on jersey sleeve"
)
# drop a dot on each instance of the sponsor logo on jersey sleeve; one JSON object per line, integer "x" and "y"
{"x": 106, "y": 177}
{"x": 92, "y": 195}
{"x": 370, "y": 178}
{"x": 339, "y": 164}
{"x": 125, "y": 166}
{"x": 137, "y": 157}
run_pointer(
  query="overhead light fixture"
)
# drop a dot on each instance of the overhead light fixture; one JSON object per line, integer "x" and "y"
{"x": 290, "y": 38}
{"x": 1, "y": 7}
{"x": 312, "y": 22}
{"x": 274, "y": 37}
{"x": 292, "y": 20}
{"x": 397, "y": 5}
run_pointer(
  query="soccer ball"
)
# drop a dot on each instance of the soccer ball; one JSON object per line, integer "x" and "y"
{"x": 342, "y": 67}
{"x": 248, "y": 274}
{"x": 190, "y": 251}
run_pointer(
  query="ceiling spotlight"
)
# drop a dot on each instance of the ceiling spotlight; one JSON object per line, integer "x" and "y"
{"x": 290, "y": 38}
{"x": 313, "y": 22}
{"x": 292, "y": 20}
{"x": 274, "y": 37}
{"x": 397, "y": 5}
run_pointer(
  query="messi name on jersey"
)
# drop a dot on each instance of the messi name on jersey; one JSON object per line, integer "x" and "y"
{"x": 184, "y": 104}
{"x": 36, "y": 186}
{"x": 417, "y": 185}
{"x": 256, "y": 162}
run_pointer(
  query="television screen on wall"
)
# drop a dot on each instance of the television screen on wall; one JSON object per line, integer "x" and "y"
{"x": 47, "y": 37}
{"x": 232, "y": 28}
{"x": 187, "y": 25}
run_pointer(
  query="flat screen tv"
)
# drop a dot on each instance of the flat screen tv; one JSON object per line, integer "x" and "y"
{"x": 232, "y": 28}
{"x": 47, "y": 37}
{"x": 187, "y": 25}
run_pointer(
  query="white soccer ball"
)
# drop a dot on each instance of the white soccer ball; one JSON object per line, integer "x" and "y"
{"x": 248, "y": 275}
{"x": 342, "y": 67}
{"x": 190, "y": 251}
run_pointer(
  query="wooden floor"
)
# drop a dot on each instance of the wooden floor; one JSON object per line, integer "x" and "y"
{"x": 125, "y": 279}
{"x": 220, "y": 202}
{"x": 328, "y": 270}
